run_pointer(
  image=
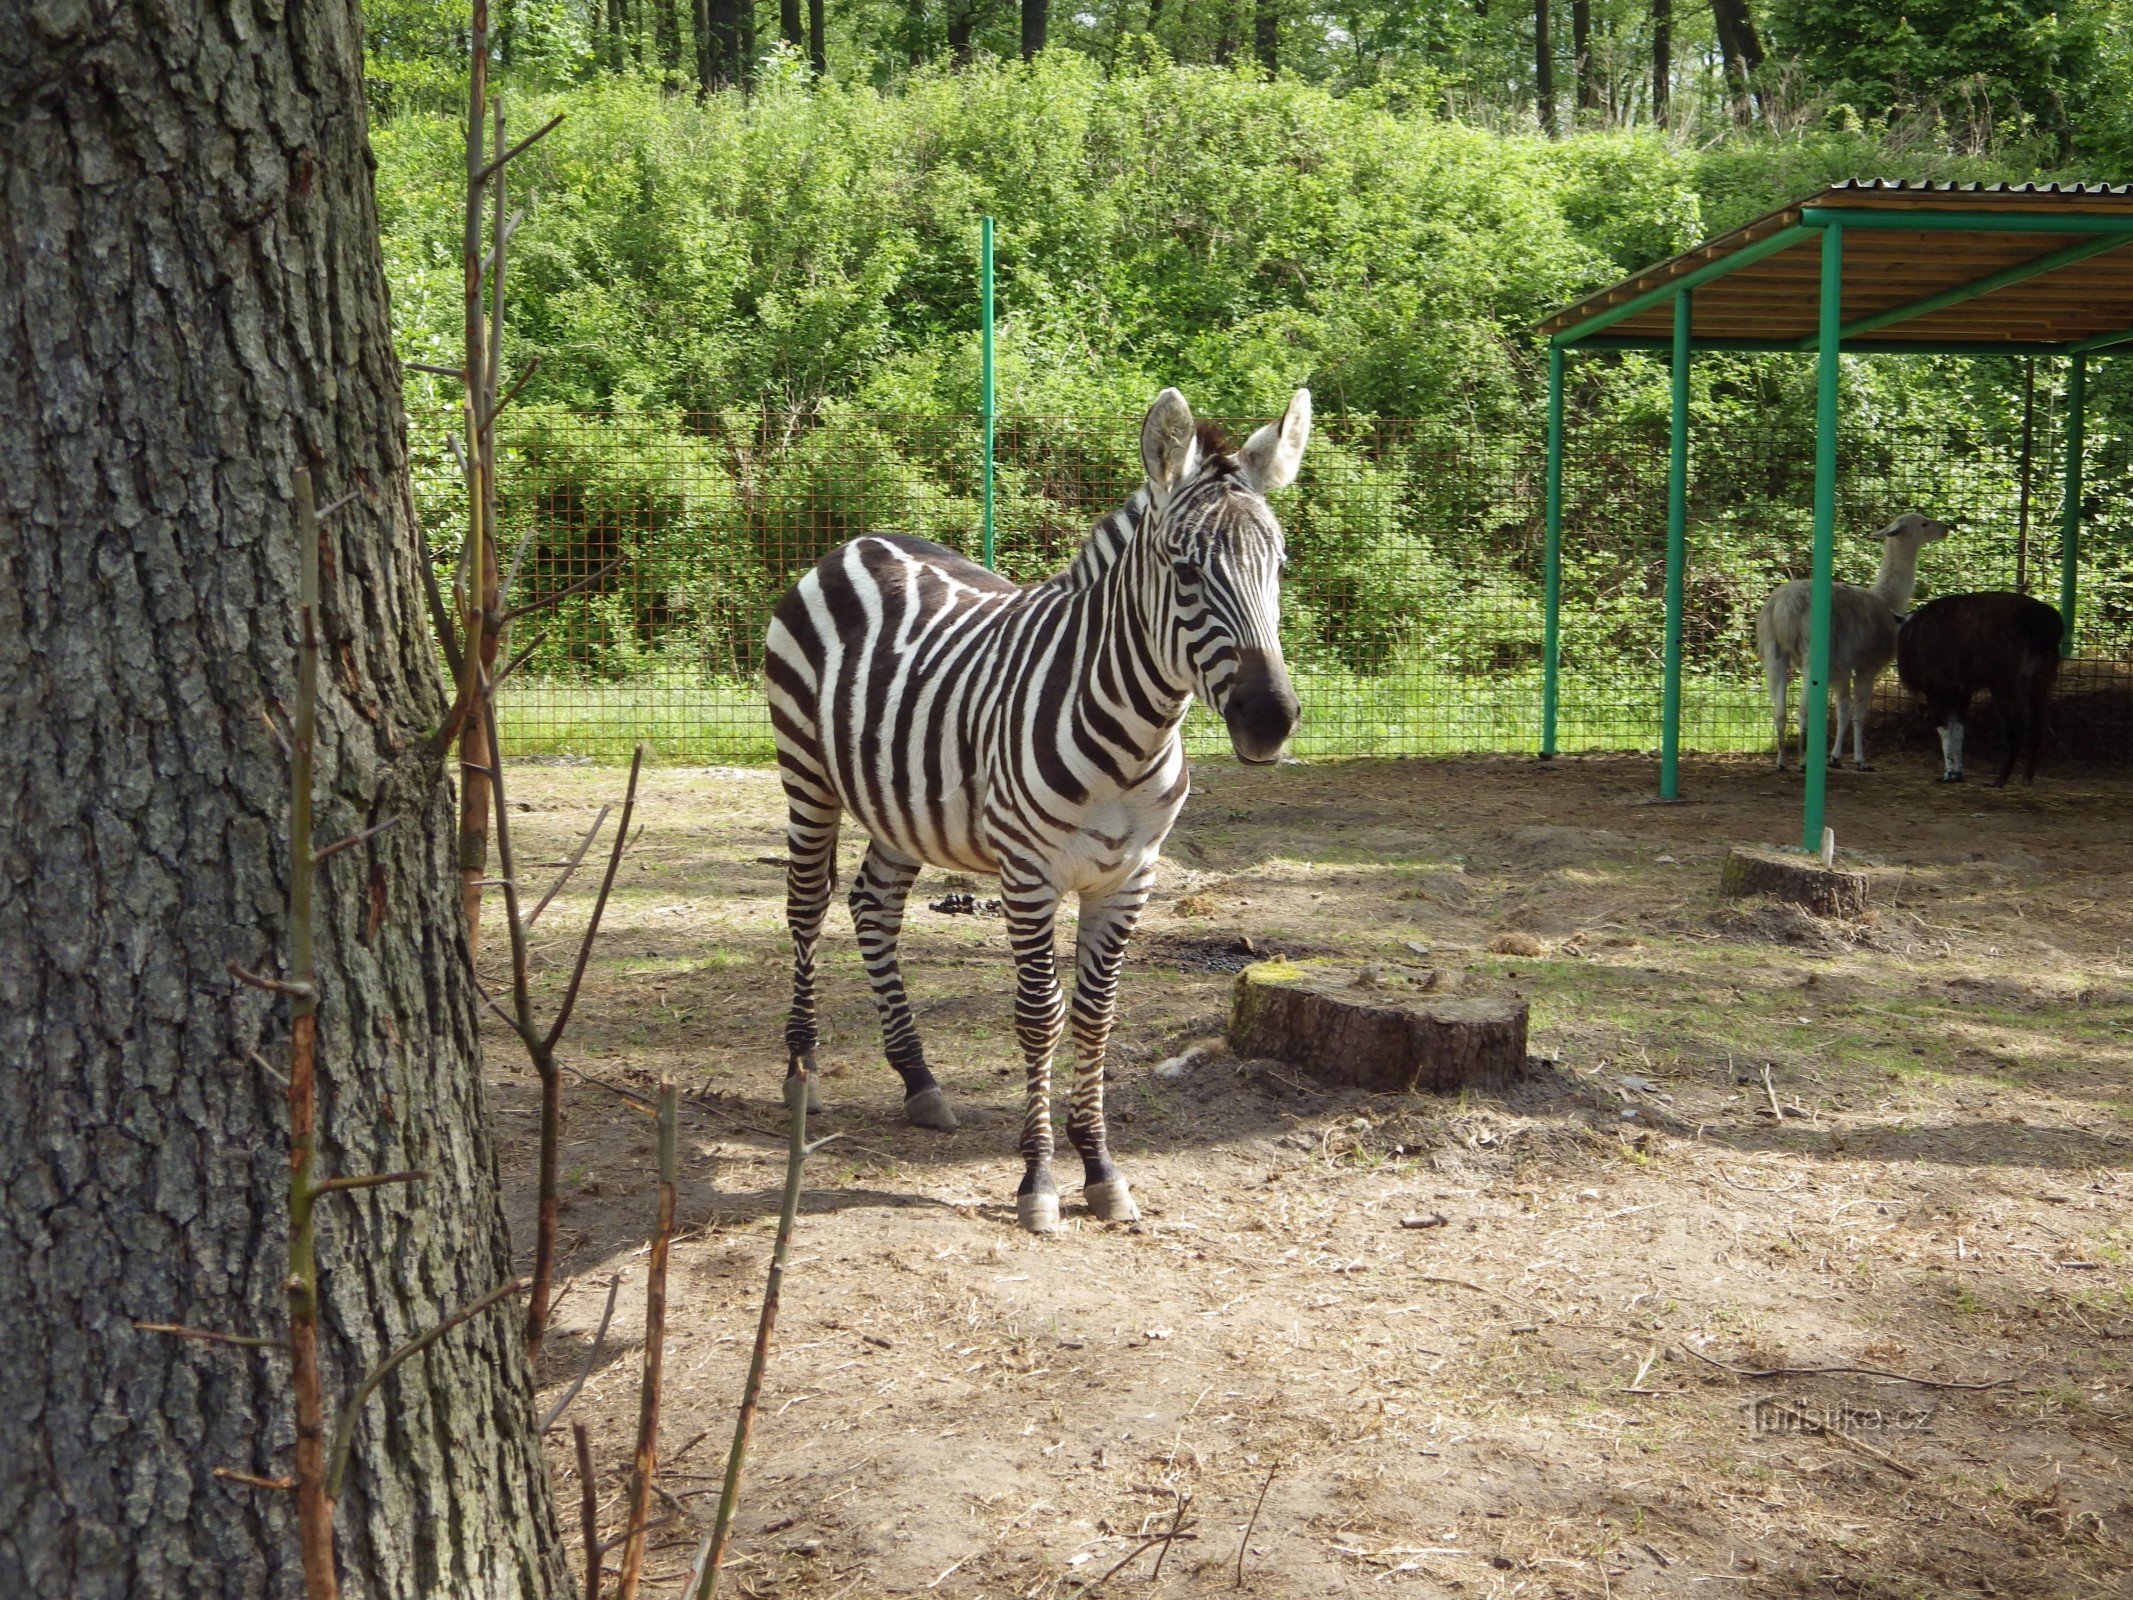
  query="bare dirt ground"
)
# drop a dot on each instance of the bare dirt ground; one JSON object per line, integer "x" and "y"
{"x": 1462, "y": 1346}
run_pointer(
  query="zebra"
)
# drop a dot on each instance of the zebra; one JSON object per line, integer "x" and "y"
{"x": 1029, "y": 733}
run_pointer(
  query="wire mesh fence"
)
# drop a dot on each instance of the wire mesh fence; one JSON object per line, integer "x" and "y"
{"x": 1413, "y": 609}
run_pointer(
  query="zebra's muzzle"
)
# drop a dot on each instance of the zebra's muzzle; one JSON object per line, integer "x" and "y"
{"x": 1261, "y": 708}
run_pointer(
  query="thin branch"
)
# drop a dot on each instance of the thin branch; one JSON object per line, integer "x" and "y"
{"x": 344, "y": 1428}
{"x": 441, "y": 372}
{"x": 592, "y": 1359}
{"x": 502, "y": 241}
{"x": 352, "y": 840}
{"x": 261, "y": 1063}
{"x": 613, "y": 1540}
{"x": 532, "y": 366}
{"x": 331, "y": 506}
{"x": 274, "y": 728}
{"x": 592, "y": 927}
{"x": 569, "y": 867}
{"x": 559, "y": 596}
{"x": 232, "y": 1475}
{"x": 751, "y": 1391}
{"x": 1868, "y": 1372}
{"x": 1177, "y": 1521}
{"x": 373, "y": 1180}
{"x": 259, "y": 980}
{"x": 1252, "y": 1526}
{"x": 530, "y": 1039}
{"x": 520, "y": 148}
{"x": 178, "y": 1330}
{"x": 516, "y": 662}
{"x": 589, "y": 1494}
{"x": 314, "y": 1501}
{"x": 518, "y": 559}
{"x": 645, "y": 1464}
{"x": 1817, "y": 1426}
{"x": 441, "y": 620}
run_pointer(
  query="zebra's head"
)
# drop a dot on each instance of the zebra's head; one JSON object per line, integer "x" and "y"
{"x": 1221, "y": 557}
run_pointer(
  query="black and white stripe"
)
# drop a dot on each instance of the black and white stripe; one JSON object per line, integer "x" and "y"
{"x": 1031, "y": 734}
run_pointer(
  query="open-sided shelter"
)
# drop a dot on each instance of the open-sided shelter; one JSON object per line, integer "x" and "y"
{"x": 1861, "y": 268}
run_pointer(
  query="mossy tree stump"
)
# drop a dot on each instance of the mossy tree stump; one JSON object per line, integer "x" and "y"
{"x": 1372, "y": 1030}
{"x": 1798, "y": 880}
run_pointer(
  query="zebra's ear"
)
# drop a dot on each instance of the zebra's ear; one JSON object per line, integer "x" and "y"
{"x": 1167, "y": 445}
{"x": 1270, "y": 456}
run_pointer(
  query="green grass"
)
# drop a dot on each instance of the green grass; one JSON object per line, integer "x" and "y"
{"x": 1412, "y": 712}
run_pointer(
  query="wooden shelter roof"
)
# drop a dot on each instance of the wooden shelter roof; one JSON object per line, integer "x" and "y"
{"x": 1980, "y": 268}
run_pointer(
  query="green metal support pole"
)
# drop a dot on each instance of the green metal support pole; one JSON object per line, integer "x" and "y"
{"x": 1677, "y": 553}
{"x": 1814, "y": 759}
{"x": 2077, "y": 396}
{"x": 987, "y": 397}
{"x": 1552, "y": 580}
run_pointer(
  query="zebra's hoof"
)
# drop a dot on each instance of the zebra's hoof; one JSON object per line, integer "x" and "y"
{"x": 929, "y": 1108}
{"x": 1037, "y": 1213}
{"x": 1112, "y": 1202}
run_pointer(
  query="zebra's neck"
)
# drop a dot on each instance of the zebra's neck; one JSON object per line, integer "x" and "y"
{"x": 1106, "y": 542}
{"x": 1139, "y": 689}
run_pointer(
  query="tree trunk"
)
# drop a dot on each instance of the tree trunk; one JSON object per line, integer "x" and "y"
{"x": 744, "y": 64}
{"x": 817, "y": 47}
{"x": 961, "y": 21}
{"x": 710, "y": 63}
{"x": 1036, "y": 17}
{"x": 915, "y": 51}
{"x": 789, "y": 24}
{"x": 666, "y": 28}
{"x": 194, "y": 306}
{"x": 1266, "y": 34}
{"x": 1662, "y": 60}
{"x": 1543, "y": 68}
{"x": 1742, "y": 50}
{"x": 1586, "y": 76}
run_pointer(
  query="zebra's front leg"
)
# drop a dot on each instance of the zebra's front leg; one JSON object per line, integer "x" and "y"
{"x": 1032, "y": 906}
{"x": 878, "y": 917}
{"x": 1107, "y": 922}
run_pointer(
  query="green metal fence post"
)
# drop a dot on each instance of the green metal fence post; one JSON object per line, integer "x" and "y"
{"x": 1814, "y": 759}
{"x": 1552, "y": 578}
{"x": 2077, "y": 395}
{"x": 986, "y": 400}
{"x": 1677, "y": 545}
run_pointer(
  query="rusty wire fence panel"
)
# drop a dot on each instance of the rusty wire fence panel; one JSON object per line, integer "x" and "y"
{"x": 1413, "y": 610}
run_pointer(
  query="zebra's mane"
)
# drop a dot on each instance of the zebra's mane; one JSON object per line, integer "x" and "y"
{"x": 1107, "y": 541}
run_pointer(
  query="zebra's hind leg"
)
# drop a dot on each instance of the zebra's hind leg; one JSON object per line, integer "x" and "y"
{"x": 878, "y": 916}
{"x": 810, "y": 874}
{"x": 1107, "y": 922}
{"x": 1032, "y": 906}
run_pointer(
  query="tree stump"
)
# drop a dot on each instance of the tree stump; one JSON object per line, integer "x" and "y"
{"x": 1375, "y": 1029}
{"x": 1798, "y": 880}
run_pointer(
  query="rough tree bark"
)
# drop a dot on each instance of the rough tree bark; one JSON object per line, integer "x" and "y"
{"x": 192, "y": 304}
{"x": 1036, "y": 22}
{"x": 817, "y": 39}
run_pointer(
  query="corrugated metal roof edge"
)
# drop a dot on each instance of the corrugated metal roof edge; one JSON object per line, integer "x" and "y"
{"x": 1656, "y": 275}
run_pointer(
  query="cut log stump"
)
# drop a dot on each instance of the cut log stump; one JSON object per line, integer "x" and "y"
{"x": 1375, "y": 1028}
{"x": 1798, "y": 880}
